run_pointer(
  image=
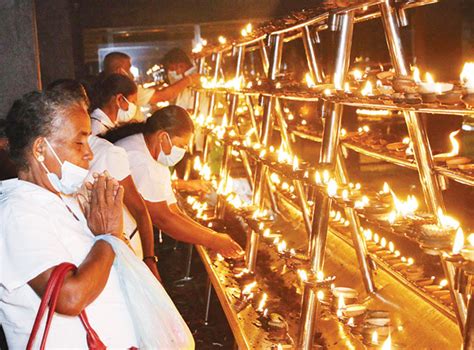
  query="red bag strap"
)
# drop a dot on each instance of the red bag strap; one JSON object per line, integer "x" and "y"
{"x": 50, "y": 299}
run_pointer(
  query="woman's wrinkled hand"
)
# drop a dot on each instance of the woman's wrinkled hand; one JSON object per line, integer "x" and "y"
{"x": 104, "y": 213}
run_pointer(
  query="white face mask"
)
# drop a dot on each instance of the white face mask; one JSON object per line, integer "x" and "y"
{"x": 124, "y": 116}
{"x": 176, "y": 154}
{"x": 72, "y": 176}
{"x": 173, "y": 76}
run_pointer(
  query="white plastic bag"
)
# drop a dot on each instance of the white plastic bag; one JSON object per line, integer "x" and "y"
{"x": 157, "y": 322}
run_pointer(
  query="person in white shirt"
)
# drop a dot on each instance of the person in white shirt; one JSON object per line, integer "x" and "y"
{"x": 114, "y": 160}
{"x": 114, "y": 103}
{"x": 42, "y": 227}
{"x": 177, "y": 66}
{"x": 119, "y": 62}
{"x": 152, "y": 148}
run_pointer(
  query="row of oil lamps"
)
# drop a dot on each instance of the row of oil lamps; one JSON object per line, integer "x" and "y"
{"x": 399, "y": 89}
{"x": 350, "y": 195}
{"x": 373, "y": 325}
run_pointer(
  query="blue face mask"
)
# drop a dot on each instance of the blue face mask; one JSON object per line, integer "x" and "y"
{"x": 72, "y": 176}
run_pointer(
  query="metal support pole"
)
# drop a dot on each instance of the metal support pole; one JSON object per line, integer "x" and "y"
{"x": 252, "y": 251}
{"x": 309, "y": 306}
{"x": 468, "y": 334}
{"x": 212, "y": 101}
{"x": 328, "y": 155}
{"x": 424, "y": 160}
{"x": 197, "y": 93}
{"x": 460, "y": 308}
{"x": 267, "y": 120}
{"x": 416, "y": 129}
{"x": 358, "y": 239}
{"x": 234, "y": 102}
{"x": 264, "y": 56}
{"x": 208, "y": 301}
{"x": 287, "y": 143}
{"x": 314, "y": 68}
{"x": 271, "y": 194}
{"x": 261, "y": 170}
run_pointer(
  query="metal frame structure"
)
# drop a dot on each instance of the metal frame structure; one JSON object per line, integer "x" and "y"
{"x": 342, "y": 22}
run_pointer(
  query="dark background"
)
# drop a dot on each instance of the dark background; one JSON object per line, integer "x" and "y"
{"x": 41, "y": 41}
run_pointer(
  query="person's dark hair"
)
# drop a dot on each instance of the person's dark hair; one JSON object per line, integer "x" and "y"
{"x": 112, "y": 61}
{"x": 110, "y": 86}
{"x": 176, "y": 55}
{"x": 172, "y": 119}
{"x": 72, "y": 87}
{"x": 34, "y": 115}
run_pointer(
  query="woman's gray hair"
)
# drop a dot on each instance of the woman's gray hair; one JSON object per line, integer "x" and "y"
{"x": 35, "y": 114}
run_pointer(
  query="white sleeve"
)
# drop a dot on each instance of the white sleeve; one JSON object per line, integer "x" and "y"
{"x": 97, "y": 127}
{"x": 29, "y": 246}
{"x": 115, "y": 161}
{"x": 149, "y": 184}
{"x": 144, "y": 95}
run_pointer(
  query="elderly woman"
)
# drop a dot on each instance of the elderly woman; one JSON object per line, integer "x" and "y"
{"x": 43, "y": 226}
{"x": 115, "y": 160}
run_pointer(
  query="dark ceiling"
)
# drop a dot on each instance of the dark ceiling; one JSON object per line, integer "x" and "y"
{"x": 123, "y": 13}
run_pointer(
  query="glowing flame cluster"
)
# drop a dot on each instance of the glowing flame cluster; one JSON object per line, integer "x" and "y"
{"x": 247, "y": 30}
{"x": 203, "y": 169}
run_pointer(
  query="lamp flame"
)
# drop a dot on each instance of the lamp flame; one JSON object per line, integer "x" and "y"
{"x": 387, "y": 344}
{"x": 447, "y": 221}
{"x": 248, "y": 288}
{"x": 309, "y": 80}
{"x": 367, "y": 90}
{"x": 320, "y": 276}
{"x": 261, "y": 305}
{"x": 303, "y": 275}
{"x": 455, "y": 146}
{"x": 332, "y": 188}
{"x": 458, "y": 241}
{"x": 429, "y": 78}
{"x": 467, "y": 74}
{"x": 295, "y": 163}
{"x": 375, "y": 338}
{"x": 416, "y": 75}
{"x": 406, "y": 208}
{"x": 470, "y": 239}
{"x": 357, "y": 74}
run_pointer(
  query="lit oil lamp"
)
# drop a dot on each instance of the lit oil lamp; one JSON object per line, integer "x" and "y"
{"x": 445, "y": 157}
{"x": 467, "y": 78}
{"x": 429, "y": 88}
{"x": 367, "y": 91}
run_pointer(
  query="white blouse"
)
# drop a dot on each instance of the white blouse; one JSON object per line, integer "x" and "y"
{"x": 153, "y": 180}
{"x": 37, "y": 233}
{"x": 100, "y": 122}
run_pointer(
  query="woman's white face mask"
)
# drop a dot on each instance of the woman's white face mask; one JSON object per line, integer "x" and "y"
{"x": 72, "y": 176}
{"x": 176, "y": 154}
{"x": 124, "y": 116}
